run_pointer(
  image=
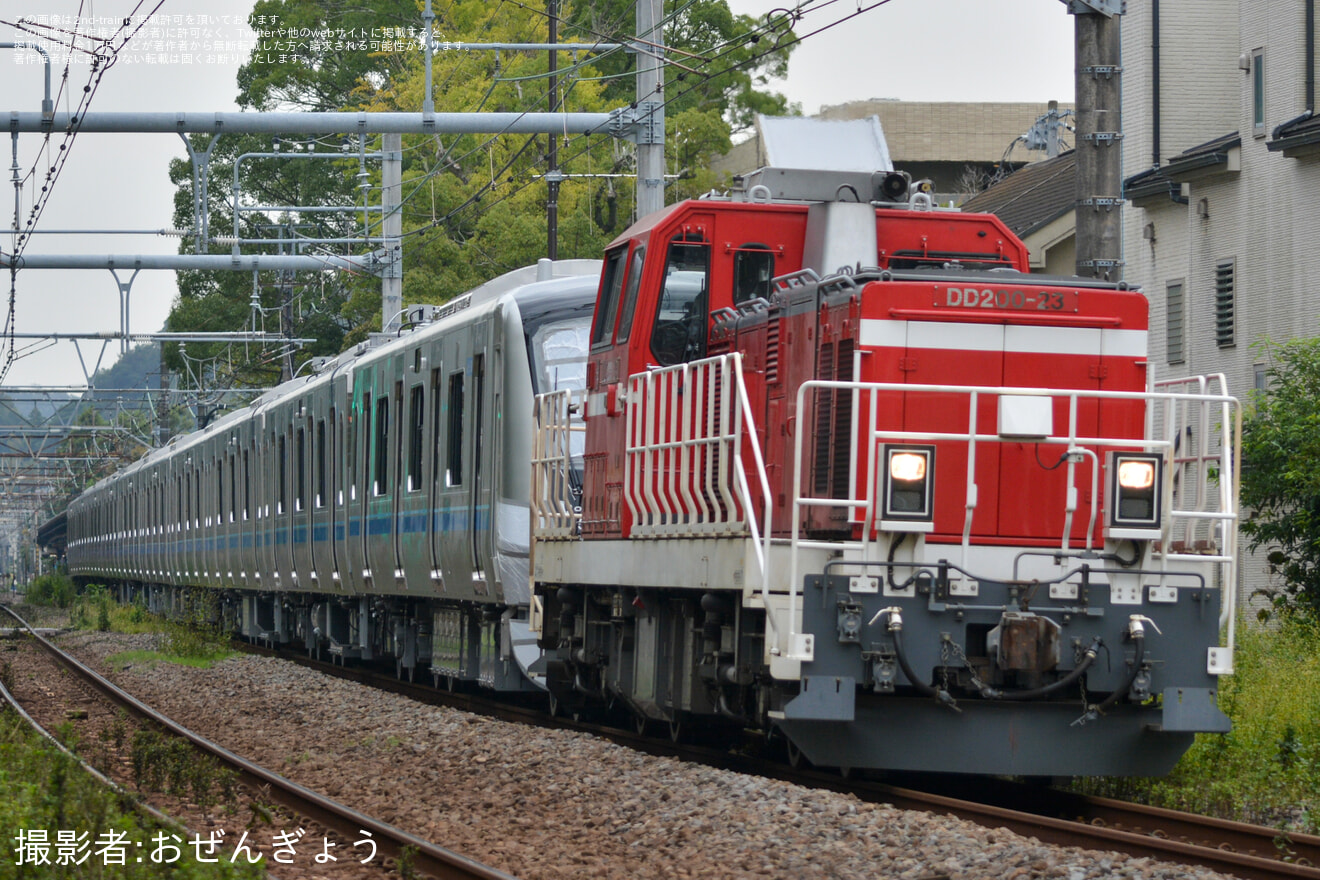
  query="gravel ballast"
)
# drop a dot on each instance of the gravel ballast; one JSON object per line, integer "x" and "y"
{"x": 553, "y": 804}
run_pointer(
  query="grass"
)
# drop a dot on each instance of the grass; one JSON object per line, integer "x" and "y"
{"x": 150, "y": 658}
{"x": 193, "y": 641}
{"x": 43, "y": 790}
{"x": 1267, "y": 770}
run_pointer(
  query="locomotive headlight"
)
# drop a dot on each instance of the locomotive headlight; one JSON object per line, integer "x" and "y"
{"x": 1136, "y": 475}
{"x": 907, "y": 489}
{"x": 1133, "y": 496}
{"x": 907, "y": 467}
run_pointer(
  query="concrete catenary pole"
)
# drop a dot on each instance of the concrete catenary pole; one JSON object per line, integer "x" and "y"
{"x": 1099, "y": 132}
{"x": 650, "y": 108}
{"x": 391, "y": 280}
{"x": 552, "y": 145}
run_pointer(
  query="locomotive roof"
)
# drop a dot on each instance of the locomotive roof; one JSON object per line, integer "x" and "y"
{"x": 1003, "y": 275}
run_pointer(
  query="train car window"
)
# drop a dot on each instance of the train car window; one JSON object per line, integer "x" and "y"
{"x": 233, "y": 487}
{"x": 379, "y": 476}
{"x": 185, "y": 490}
{"x": 397, "y": 456}
{"x": 753, "y": 267}
{"x": 608, "y": 307}
{"x": 630, "y": 295}
{"x": 300, "y": 497}
{"x": 682, "y": 316}
{"x": 282, "y": 477}
{"x": 416, "y": 422}
{"x": 247, "y": 487}
{"x": 454, "y": 435}
{"x": 320, "y": 463}
{"x": 362, "y": 427}
{"x": 219, "y": 491}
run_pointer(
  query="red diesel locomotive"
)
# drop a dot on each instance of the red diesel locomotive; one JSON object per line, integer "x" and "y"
{"x": 845, "y": 472}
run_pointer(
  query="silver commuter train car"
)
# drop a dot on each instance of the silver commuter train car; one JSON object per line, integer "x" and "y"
{"x": 378, "y": 506}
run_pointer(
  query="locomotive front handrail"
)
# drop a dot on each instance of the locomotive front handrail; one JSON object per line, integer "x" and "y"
{"x": 1170, "y": 406}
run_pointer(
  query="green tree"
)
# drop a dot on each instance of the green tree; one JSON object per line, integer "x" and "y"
{"x": 474, "y": 206}
{"x": 1280, "y": 477}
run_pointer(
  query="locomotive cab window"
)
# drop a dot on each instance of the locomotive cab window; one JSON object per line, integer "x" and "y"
{"x": 753, "y": 267}
{"x": 611, "y": 286}
{"x": 630, "y": 295}
{"x": 682, "y": 314}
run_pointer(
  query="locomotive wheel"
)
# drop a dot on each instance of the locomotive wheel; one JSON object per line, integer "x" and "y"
{"x": 795, "y": 759}
{"x": 559, "y": 710}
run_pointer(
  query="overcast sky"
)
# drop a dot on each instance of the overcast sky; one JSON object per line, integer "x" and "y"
{"x": 915, "y": 50}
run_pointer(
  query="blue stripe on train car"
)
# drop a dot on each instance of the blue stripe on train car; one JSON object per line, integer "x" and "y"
{"x": 412, "y": 522}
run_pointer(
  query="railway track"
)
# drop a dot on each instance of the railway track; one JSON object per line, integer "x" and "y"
{"x": 1052, "y": 816}
{"x": 425, "y": 857}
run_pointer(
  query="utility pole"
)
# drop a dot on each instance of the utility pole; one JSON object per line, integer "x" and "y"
{"x": 650, "y": 108}
{"x": 391, "y": 280}
{"x": 552, "y": 176}
{"x": 1099, "y": 132}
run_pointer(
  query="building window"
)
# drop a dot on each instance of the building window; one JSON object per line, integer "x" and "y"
{"x": 1225, "y": 303}
{"x": 1258, "y": 91}
{"x": 1261, "y": 375}
{"x": 1174, "y": 322}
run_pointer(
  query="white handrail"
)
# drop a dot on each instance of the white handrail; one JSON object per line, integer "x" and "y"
{"x": 1175, "y": 404}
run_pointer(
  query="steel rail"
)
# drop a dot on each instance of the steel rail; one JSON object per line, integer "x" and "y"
{"x": 427, "y": 857}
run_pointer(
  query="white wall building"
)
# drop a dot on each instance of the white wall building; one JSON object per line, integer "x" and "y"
{"x": 1221, "y": 154}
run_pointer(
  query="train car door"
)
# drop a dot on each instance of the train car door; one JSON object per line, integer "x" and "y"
{"x": 412, "y": 542}
{"x": 379, "y": 488}
{"x": 247, "y": 541}
{"x": 320, "y": 536}
{"x": 463, "y": 515}
{"x": 229, "y": 567}
{"x": 342, "y": 492}
{"x": 301, "y": 535}
{"x": 382, "y": 497}
{"x": 436, "y": 387}
{"x": 359, "y": 488}
{"x": 267, "y": 499}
